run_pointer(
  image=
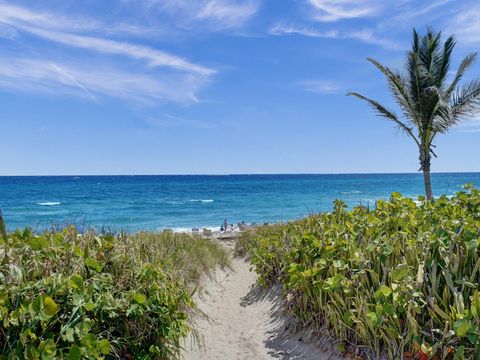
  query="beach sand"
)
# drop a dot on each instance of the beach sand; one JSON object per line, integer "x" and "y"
{"x": 243, "y": 321}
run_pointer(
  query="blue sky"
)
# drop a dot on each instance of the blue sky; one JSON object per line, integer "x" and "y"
{"x": 215, "y": 86}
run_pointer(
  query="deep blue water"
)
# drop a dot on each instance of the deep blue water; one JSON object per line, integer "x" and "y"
{"x": 156, "y": 202}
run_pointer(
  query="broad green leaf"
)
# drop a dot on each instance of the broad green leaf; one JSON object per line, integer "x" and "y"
{"x": 50, "y": 307}
{"x": 400, "y": 273}
{"x": 104, "y": 346}
{"x": 90, "y": 306}
{"x": 140, "y": 298}
{"x": 38, "y": 242}
{"x": 385, "y": 290}
{"x": 396, "y": 195}
{"x": 461, "y": 327}
{"x": 93, "y": 264}
{"x": 77, "y": 251}
{"x": 47, "y": 349}
{"x": 76, "y": 282}
{"x": 472, "y": 244}
{"x": 75, "y": 353}
{"x": 373, "y": 318}
{"x": 388, "y": 309}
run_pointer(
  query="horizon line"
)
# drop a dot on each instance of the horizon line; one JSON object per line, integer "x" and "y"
{"x": 245, "y": 174}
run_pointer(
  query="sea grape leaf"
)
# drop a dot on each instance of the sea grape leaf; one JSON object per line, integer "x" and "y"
{"x": 38, "y": 242}
{"x": 140, "y": 298}
{"x": 90, "y": 306}
{"x": 104, "y": 346}
{"x": 50, "y": 307}
{"x": 400, "y": 272}
{"x": 461, "y": 327}
{"x": 77, "y": 251}
{"x": 76, "y": 282}
{"x": 75, "y": 353}
{"x": 472, "y": 244}
{"x": 388, "y": 309}
{"x": 385, "y": 290}
{"x": 93, "y": 264}
{"x": 373, "y": 318}
{"x": 48, "y": 348}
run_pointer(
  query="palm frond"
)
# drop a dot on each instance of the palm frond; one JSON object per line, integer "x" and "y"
{"x": 429, "y": 49}
{"x": 444, "y": 64}
{"x": 466, "y": 101}
{"x": 399, "y": 88}
{"x": 435, "y": 112}
{"x": 413, "y": 78}
{"x": 384, "y": 112}
{"x": 465, "y": 65}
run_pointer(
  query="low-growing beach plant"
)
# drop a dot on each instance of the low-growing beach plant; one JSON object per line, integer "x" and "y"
{"x": 65, "y": 295}
{"x": 431, "y": 103}
{"x": 398, "y": 281}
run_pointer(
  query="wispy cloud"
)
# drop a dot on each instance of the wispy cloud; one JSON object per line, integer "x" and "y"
{"x": 156, "y": 75}
{"x": 228, "y": 14}
{"x": 320, "y": 86}
{"x": 466, "y": 25}
{"x": 213, "y": 15}
{"x": 412, "y": 10}
{"x": 154, "y": 58}
{"x": 365, "y": 35}
{"x": 284, "y": 29}
{"x": 93, "y": 82}
{"x": 17, "y": 16}
{"x": 333, "y": 10}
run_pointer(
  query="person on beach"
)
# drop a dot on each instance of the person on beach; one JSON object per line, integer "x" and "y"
{"x": 225, "y": 224}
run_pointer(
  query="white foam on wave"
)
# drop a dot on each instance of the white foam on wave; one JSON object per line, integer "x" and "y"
{"x": 49, "y": 203}
{"x": 202, "y": 200}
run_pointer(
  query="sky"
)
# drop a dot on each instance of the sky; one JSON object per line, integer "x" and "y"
{"x": 216, "y": 86}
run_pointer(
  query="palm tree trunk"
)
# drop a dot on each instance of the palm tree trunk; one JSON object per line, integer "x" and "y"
{"x": 425, "y": 167}
{"x": 428, "y": 183}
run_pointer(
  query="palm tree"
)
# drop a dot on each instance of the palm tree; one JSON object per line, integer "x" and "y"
{"x": 429, "y": 102}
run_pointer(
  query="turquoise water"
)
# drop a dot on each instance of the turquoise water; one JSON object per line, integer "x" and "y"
{"x": 156, "y": 202}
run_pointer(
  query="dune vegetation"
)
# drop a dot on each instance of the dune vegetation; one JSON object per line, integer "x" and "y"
{"x": 400, "y": 280}
{"x": 71, "y": 296}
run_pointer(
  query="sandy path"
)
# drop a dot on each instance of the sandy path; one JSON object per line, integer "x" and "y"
{"x": 243, "y": 322}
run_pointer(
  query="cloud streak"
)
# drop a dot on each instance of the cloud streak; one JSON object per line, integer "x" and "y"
{"x": 228, "y": 14}
{"x": 364, "y": 35}
{"x": 92, "y": 82}
{"x": 320, "y": 87}
{"x": 213, "y": 15}
{"x": 144, "y": 74}
{"x": 154, "y": 58}
{"x": 466, "y": 25}
{"x": 334, "y": 10}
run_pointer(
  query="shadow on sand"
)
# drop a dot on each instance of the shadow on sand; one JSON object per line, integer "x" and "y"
{"x": 283, "y": 341}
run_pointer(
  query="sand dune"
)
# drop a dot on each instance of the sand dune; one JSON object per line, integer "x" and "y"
{"x": 243, "y": 321}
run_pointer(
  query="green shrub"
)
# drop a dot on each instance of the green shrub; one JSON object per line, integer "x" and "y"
{"x": 71, "y": 296}
{"x": 401, "y": 278}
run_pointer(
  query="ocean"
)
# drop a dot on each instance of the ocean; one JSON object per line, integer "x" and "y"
{"x": 132, "y": 203}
